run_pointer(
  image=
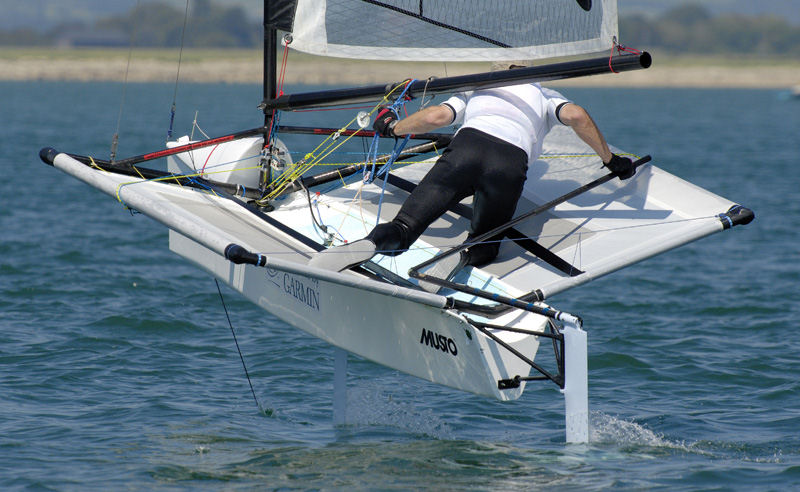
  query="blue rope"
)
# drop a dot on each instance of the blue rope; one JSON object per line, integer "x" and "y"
{"x": 373, "y": 149}
{"x": 398, "y": 148}
{"x": 198, "y": 183}
{"x": 274, "y": 131}
{"x": 372, "y": 156}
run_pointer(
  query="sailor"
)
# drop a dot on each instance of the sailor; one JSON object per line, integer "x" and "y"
{"x": 501, "y": 132}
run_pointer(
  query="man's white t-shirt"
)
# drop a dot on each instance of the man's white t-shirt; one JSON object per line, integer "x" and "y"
{"x": 519, "y": 114}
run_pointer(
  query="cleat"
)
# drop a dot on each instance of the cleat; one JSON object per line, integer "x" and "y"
{"x": 585, "y": 4}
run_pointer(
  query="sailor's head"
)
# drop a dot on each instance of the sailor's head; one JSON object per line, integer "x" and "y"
{"x": 510, "y": 64}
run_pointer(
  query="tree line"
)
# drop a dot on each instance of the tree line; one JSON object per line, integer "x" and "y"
{"x": 692, "y": 29}
{"x": 152, "y": 25}
{"x": 685, "y": 29}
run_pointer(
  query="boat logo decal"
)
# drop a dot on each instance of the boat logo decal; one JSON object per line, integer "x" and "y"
{"x": 303, "y": 289}
{"x": 437, "y": 341}
{"x": 272, "y": 276}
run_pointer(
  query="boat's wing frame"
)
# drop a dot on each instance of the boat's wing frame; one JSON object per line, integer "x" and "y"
{"x": 223, "y": 243}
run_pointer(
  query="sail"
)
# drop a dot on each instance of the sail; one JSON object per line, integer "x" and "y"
{"x": 446, "y": 30}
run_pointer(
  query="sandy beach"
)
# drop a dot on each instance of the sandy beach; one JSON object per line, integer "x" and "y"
{"x": 244, "y": 66}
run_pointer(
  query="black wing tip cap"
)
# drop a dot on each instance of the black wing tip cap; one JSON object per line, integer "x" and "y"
{"x": 585, "y": 4}
{"x": 48, "y": 155}
{"x": 736, "y": 215}
{"x": 239, "y": 255}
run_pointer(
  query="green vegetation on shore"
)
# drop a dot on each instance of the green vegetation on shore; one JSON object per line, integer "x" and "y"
{"x": 692, "y": 29}
{"x": 169, "y": 55}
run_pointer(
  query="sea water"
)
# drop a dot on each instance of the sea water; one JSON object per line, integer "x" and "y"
{"x": 118, "y": 370}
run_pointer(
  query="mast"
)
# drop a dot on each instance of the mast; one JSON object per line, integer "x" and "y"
{"x": 270, "y": 57}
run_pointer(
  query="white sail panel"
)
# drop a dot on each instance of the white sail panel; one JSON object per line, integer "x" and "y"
{"x": 445, "y": 30}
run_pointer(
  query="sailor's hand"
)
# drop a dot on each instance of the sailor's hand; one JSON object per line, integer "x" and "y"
{"x": 622, "y": 167}
{"x": 384, "y": 123}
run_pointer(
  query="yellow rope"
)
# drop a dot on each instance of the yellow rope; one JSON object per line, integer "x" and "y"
{"x": 94, "y": 165}
{"x": 305, "y": 167}
{"x": 177, "y": 177}
{"x": 325, "y": 148}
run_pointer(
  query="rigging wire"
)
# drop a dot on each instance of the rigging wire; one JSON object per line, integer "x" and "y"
{"x": 317, "y": 223}
{"x": 115, "y": 138}
{"x": 241, "y": 357}
{"x": 328, "y": 232}
{"x": 178, "y": 74}
{"x": 196, "y": 126}
{"x": 287, "y": 40}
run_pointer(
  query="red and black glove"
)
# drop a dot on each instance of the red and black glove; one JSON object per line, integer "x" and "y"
{"x": 384, "y": 123}
{"x": 622, "y": 167}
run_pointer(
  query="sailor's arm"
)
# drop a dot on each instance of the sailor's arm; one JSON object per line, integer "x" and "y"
{"x": 422, "y": 121}
{"x": 584, "y": 126}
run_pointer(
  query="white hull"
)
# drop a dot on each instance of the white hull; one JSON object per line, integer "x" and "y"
{"x": 405, "y": 329}
{"x": 425, "y": 341}
{"x": 394, "y": 323}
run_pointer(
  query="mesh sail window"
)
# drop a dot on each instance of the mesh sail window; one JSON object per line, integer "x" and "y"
{"x": 449, "y": 30}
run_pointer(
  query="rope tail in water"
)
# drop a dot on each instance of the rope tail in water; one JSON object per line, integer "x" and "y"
{"x": 241, "y": 357}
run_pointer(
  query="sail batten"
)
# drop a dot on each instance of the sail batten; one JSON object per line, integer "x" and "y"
{"x": 443, "y": 30}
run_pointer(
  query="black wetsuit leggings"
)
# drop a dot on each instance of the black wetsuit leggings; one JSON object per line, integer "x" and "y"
{"x": 474, "y": 163}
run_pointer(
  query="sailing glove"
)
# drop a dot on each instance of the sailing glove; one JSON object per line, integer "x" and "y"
{"x": 622, "y": 167}
{"x": 384, "y": 123}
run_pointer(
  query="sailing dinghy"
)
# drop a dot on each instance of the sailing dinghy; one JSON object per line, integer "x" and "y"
{"x": 244, "y": 208}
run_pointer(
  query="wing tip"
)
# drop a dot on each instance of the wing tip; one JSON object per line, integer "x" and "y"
{"x": 736, "y": 215}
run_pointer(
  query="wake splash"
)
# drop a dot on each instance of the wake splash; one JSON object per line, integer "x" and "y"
{"x": 606, "y": 429}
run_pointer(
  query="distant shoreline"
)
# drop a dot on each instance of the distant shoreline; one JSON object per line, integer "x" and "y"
{"x": 244, "y": 66}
